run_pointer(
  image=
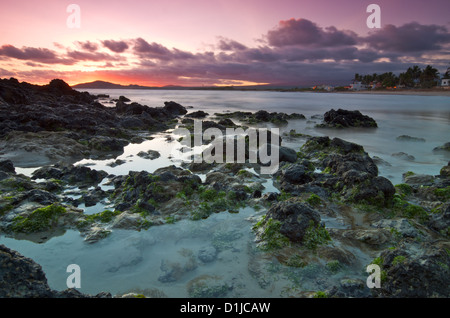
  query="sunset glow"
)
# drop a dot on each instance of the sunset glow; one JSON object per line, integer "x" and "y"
{"x": 195, "y": 43}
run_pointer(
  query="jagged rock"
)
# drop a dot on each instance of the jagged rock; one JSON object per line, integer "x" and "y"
{"x": 149, "y": 154}
{"x": 107, "y": 144}
{"x": 340, "y": 164}
{"x": 378, "y": 191}
{"x": 57, "y": 123}
{"x": 317, "y": 145}
{"x": 369, "y": 236}
{"x": 226, "y": 122}
{"x": 40, "y": 196}
{"x": 71, "y": 174}
{"x": 287, "y": 154}
{"x": 174, "y": 108}
{"x": 381, "y": 162}
{"x": 419, "y": 179}
{"x": 197, "y": 114}
{"x": 96, "y": 233}
{"x": 404, "y": 156}
{"x": 128, "y": 221}
{"x": 346, "y": 118}
{"x": 445, "y": 171}
{"x": 350, "y": 288}
{"x": 294, "y": 217}
{"x": 132, "y": 123}
{"x": 413, "y": 271}
{"x": 401, "y": 226}
{"x": 7, "y": 166}
{"x": 353, "y": 171}
{"x": 444, "y": 148}
{"x": 36, "y": 149}
{"x": 124, "y": 99}
{"x": 410, "y": 138}
{"x": 262, "y": 116}
{"x": 296, "y": 174}
{"x": 94, "y": 196}
{"x": 21, "y": 277}
{"x": 440, "y": 222}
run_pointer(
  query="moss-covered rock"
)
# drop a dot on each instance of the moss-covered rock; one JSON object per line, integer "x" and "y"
{"x": 39, "y": 220}
{"x": 411, "y": 272}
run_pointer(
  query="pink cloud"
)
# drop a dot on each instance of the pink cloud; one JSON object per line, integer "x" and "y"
{"x": 88, "y": 46}
{"x": 116, "y": 46}
{"x": 408, "y": 38}
{"x": 296, "y": 52}
{"x": 41, "y": 55}
{"x": 306, "y": 33}
{"x": 89, "y": 56}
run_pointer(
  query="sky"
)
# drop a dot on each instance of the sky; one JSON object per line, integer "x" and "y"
{"x": 219, "y": 42}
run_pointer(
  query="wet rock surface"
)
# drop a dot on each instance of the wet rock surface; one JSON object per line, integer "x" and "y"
{"x": 342, "y": 118}
{"x": 330, "y": 216}
{"x": 58, "y": 123}
{"x": 23, "y": 278}
{"x": 261, "y": 116}
{"x": 415, "y": 271}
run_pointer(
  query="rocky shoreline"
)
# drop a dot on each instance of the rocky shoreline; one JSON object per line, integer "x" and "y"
{"x": 75, "y": 122}
{"x": 404, "y": 228}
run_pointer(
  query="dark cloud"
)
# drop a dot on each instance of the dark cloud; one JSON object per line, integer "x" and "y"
{"x": 41, "y": 55}
{"x": 6, "y": 73}
{"x": 153, "y": 50}
{"x": 230, "y": 45}
{"x": 158, "y": 51}
{"x": 88, "y": 46}
{"x": 32, "y": 64}
{"x": 260, "y": 54}
{"x": 89, "y": 56}
{"x": 303, "y": 32}
{"x": 116, "y": 46}
{"x": 296, "y": 52}
{"x": 182, "y": 55}
{"x": 410, "y": 38}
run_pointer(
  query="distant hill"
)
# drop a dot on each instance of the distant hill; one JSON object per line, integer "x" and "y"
{"x": 108, "y": 85}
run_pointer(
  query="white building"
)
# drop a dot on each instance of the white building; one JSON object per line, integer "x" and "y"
{"x": 328, "y": 88}
{"x": 445, "y": 82}
{"x": 357, "y": 86}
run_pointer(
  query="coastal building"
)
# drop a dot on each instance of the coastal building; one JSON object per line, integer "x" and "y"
{"x": 445, "y": 82}
{"x": 357, "y": 86}
{"x": 375, "y": 85}
{"x": 327, "y": 88}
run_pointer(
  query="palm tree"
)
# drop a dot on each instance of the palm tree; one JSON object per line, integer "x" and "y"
{"x": 447, "y": 74}
{"x": 429, "y": 77}
{"x": 405, "y": 79}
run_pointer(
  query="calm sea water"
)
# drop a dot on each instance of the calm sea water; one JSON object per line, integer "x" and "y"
{"x": 129, "y": 260}
{"x": 425, "y": 117}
